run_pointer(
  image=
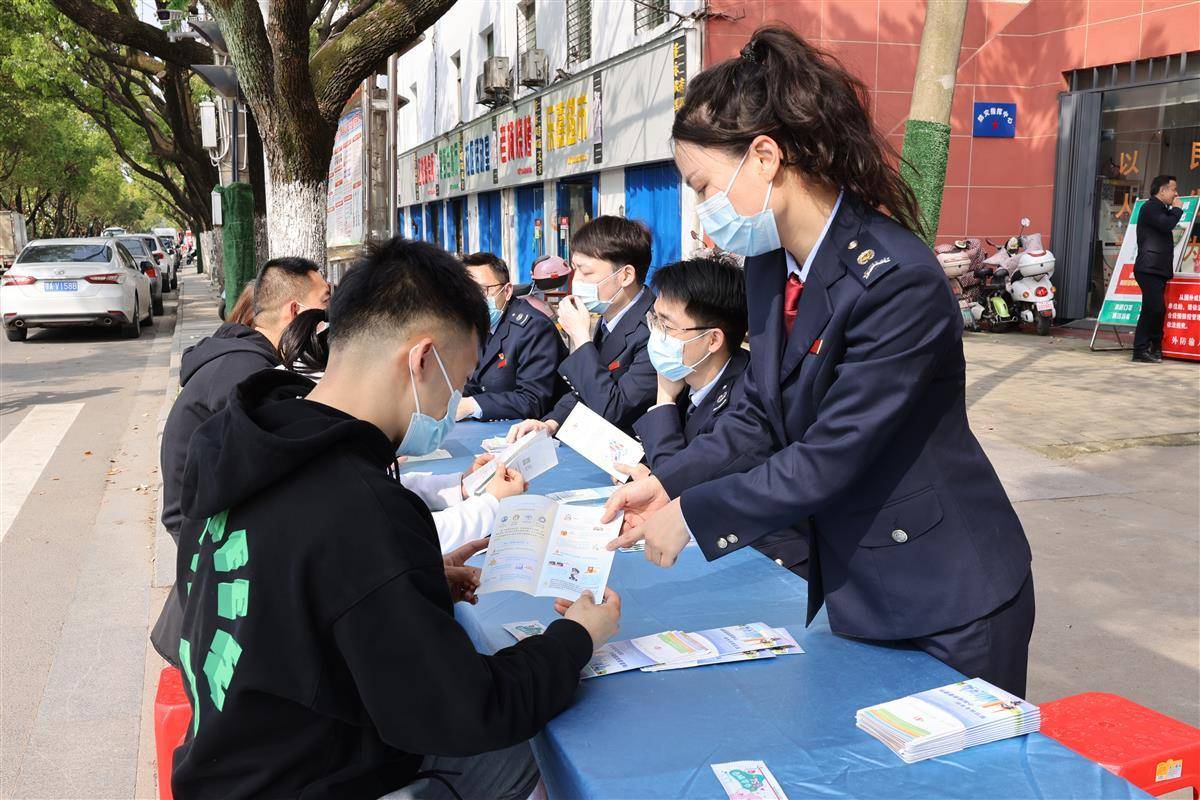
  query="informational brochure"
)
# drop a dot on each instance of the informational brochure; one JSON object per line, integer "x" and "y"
{"x": 546, "y": 549}
{"x": 436, "y": 455}
{"x": 748, "y": 780}
{"x": 734, "y": 643}
{"x": 646, "y": 651}
{"x": 593, "y": 495}
{"x": 948, "y": 719}
{"x": 523, "y": 630}
{"x": 785, "y": 643}
{"x": 599, "y": 441}
{"x": 531, "y": 455}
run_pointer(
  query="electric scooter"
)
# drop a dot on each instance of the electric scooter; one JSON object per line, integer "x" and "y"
{"x": 1027, "y": 283}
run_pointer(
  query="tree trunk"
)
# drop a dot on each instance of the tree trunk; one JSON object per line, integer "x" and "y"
{"x": 927, "y": 130}
{"x": 296, "y": 226}
{"x": 210, "y": 251}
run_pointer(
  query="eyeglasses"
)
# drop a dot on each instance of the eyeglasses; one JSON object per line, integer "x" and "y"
{"x": 655, "y": 322}
{"x": 488, "y": 287}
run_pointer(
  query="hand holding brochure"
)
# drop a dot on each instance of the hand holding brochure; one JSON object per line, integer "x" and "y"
{"x": 531, "y": 455}
{"x": 545, "y": 549}
{"x": 599, "y": 441}
{"x": 948, "y": 719}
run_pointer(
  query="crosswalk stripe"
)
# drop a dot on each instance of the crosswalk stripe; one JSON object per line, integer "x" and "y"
{"x": 26, "y": 451}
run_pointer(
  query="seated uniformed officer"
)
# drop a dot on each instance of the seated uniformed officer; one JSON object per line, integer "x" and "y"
{"x": 608, "y": 368}
{"x": 696, "y": 330}
{"x": 517, "y": 376}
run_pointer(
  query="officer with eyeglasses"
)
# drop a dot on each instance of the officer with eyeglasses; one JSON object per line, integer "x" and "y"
{"x": 697, "y": 327}
{"x": 517, "y": 376}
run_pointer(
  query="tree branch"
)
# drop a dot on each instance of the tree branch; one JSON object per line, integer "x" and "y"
{"x": 110, "y": 26}
{"x": 356, "y": 11}
{"x": 341, "y": 64}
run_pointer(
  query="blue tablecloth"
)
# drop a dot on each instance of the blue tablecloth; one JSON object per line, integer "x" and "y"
{"x": 644, "y": 735}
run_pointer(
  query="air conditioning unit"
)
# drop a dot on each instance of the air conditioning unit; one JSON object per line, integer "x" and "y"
{"x": 494, "y": 86}
{"x": 535, "y": 68}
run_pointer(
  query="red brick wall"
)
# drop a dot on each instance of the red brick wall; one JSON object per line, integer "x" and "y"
{"x": 1011, "y": 52}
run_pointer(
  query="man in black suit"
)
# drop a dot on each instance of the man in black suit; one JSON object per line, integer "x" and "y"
{"x": 604, "y": 319}
{"x": 517, "y": 376}
{"x": 1155, "y": 264}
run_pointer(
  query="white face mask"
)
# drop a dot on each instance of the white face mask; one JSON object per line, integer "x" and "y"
{"x": 729, "y": 230}
{"x": 589, "y": 293}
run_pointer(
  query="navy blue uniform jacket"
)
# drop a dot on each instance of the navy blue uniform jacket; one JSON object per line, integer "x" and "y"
{"x": 517, "y": 376}
{"x": 856, "y": 427}
{"x": 616, "y": 379}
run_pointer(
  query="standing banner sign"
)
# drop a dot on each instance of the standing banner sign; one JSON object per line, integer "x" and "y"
{"x": 344, "y": 200}
{"x": 1123, "y": 299}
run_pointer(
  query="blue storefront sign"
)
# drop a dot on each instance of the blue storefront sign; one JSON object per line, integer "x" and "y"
{"x": 995, "y": 119}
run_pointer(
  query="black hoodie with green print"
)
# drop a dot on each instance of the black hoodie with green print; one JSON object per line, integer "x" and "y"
{"x": 320, "y": 648}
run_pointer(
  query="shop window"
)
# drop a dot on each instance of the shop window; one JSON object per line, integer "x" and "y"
{"x": 649, "y": 14}
{"x": 579, "y": 31}
{"x": 1144, "y": 131}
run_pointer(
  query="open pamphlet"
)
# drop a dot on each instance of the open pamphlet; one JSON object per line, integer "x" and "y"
{"x": 597, "y": 494}
{"x": 531, "y": 455}
{"x": 948, "y": 719}
{"x": 748, "y": 780}
{"x": 599, "y": 441}
{"x": 545, "y": 549}
{"x": 671, "y": 650}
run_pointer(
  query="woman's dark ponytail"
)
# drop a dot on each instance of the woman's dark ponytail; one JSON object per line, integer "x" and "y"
{"x": 783, "y": 87}
{"x": 303, "y": 345}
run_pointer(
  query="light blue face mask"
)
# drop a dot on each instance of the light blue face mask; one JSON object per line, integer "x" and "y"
{"x": 589, "y": 293}
{"x": 494, "y": 313}
{"x": 729, "y": 230}
{"x": 426, "y": 434}
{"x": 666, "y": 355}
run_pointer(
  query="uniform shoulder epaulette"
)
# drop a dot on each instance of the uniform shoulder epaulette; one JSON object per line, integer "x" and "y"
{"x": 866, "y": 259}
{"x": 521, "y": 318}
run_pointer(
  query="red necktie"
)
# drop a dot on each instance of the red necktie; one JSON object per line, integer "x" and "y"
{"x": 791, "y": 301}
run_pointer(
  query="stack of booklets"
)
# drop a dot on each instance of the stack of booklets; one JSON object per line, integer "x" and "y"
{"x": 945, "y": 720}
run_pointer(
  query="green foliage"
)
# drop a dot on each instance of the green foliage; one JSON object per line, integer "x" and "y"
{"x": 57, "y": 166}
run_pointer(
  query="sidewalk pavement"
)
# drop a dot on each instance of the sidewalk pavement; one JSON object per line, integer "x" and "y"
{"x": 1100, "y": 456}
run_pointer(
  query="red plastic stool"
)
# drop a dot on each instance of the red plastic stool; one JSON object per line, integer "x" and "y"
{"x": 172, "y": 715}
{"x": 1150, "y": 750}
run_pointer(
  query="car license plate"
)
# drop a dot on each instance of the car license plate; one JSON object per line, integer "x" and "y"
{"x": 61, "y": 286}
{"x": 1046, "y": 306}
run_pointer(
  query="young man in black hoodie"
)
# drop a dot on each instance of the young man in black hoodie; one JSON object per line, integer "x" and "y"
{"x": 319, "y": 648}
{"x": 208, "y": 373}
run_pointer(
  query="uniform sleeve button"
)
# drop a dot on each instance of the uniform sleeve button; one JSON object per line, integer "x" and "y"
{"x": 722, "y": 543}
{"x": 733, "y": 538}
{"x": 899, "y": 536}
{"x": 779, "y": 561}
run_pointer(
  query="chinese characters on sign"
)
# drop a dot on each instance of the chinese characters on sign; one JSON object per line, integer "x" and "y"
{"x": 679, "y": 71}
{"x": 996, "y": 120}
{"x": 344, "y": 197}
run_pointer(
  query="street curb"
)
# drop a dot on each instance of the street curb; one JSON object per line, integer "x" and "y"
{"x": 164, "y": 546}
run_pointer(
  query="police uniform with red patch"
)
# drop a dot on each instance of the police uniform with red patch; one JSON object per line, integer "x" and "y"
{"x": 517, "y": 376}
{"x": 612, "y": 374}
{"x": 853, "y": 427}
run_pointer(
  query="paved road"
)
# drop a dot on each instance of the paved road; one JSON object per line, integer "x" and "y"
{"x": 78, "y": 410}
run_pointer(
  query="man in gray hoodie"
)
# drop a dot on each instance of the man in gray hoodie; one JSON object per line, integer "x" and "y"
{"x": 208, "y": 374}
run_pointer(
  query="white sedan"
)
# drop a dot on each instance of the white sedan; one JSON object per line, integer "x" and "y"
{"x": 68, "y": 282}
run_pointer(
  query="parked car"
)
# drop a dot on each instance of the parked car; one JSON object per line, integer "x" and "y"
{"x": 140, "y": 248}
{"x": 70, "y": 282}
{"x": 113, "y": 231}
{"x": 162, "y": 259}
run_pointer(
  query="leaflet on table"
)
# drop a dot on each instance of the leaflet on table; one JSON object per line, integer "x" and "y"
{"x": 583, "y": 495}
{"x": 523, "y": 630}
{"x": 599, "y": 441}
{"x": 495, "y": 444}
{"x": 646, "y": 651}
{"x": 545, "y": 549}
{"x": 748, "y": 780}
{"x": 531, "y": 455}
{"x": 436, "y": 455}
{"x": 948, "y": 719}
{"x": 732, "y": 643}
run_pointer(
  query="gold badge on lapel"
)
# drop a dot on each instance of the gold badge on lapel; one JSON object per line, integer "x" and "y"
{"x": 866, "y": 255}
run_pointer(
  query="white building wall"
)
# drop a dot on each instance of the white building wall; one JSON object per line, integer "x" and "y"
{"x": 435, "y": 108}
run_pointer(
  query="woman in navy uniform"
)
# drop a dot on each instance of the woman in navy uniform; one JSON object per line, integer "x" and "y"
{"x": 856, "y": 387}
{"x": 517, "y": 376}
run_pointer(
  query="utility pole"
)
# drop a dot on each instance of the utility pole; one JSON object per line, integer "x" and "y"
{"x": 927, "y": 130}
